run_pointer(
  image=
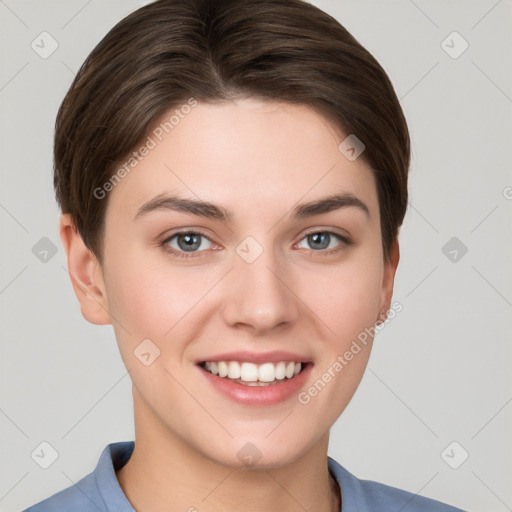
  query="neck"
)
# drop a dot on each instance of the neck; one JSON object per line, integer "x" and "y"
{"x": 165, "y": 471}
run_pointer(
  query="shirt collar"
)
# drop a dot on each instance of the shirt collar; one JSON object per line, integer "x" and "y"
{"x": 116, "y": 455}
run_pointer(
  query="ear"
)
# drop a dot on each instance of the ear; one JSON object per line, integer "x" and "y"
{"x": 85, "y": 273}
{"x": 388, "y": 279}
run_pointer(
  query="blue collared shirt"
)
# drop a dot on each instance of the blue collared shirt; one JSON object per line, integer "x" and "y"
{"x": 100, "y": 491}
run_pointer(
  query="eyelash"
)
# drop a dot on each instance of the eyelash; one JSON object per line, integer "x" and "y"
{"x": 181, "y": 254}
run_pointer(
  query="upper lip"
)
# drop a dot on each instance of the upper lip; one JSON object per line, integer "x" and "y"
{"x": 257, "y": 357}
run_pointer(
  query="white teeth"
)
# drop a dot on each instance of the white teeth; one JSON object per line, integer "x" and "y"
{"x": 280, "y": 371}
{"x": 250, "y": 372}
{"x": 290, "y": 369}
{"x": 223, "y": 368}
{"x": 266, "y": 372}
{"x": 233, "y": 370}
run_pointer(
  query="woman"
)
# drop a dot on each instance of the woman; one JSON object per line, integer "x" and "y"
{"x": 232, "y": 177}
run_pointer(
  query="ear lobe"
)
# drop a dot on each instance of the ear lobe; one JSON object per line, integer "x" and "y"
{"x": 389, "y": 277}
{"x": 85, "y": 273}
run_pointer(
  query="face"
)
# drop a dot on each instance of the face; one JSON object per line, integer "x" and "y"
{"x": 257, "y": 275}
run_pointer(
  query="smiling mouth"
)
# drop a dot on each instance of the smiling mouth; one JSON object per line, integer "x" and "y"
{"x": 250, "y": 374}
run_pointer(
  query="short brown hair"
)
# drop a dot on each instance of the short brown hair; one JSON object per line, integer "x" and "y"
{"x": 215, "y": 50}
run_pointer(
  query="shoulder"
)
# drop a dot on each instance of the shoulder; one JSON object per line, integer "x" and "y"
{"x": 99, "y": 491}
{"x": 368, "y": 496}
{"x": 80, "y": 497}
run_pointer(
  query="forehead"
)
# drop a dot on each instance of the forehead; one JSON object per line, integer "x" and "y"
{"x": 248, "y": 155}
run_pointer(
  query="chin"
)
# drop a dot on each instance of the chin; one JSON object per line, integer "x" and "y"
{"x": 253, "y": 452}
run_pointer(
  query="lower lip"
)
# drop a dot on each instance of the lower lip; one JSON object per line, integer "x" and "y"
{"x": 259, "y": 395}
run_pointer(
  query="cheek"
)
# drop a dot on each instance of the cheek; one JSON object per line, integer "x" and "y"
{"x": 152, "y": 301}
{"x": 154, "y": 298}
{"x": 346, "y": 302}
{"x": 345, "y": 298}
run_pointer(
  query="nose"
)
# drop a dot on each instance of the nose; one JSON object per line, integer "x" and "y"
{"x": 260, "y": 297}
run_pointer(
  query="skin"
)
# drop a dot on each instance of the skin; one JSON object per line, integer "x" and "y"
{"x": 258, "y": 159}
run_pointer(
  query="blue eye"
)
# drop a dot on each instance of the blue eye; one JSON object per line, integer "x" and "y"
{"x": 189, "y": 243}
{"x": 322, "y": 240}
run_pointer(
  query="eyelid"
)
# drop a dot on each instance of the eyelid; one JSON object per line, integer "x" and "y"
{"x": 344, "y": 243}
{"x": 186, "y": 231}
{"x": 328, "y": 229}
{"x": 184, "y": 255}
{"x": 344, "y": 239}
{"x": 168, "y": 238}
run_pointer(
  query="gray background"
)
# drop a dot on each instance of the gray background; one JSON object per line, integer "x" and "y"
{"x": 440, "y": 371}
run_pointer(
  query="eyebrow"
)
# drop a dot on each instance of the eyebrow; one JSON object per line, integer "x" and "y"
{"x": 213, "y": 211}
